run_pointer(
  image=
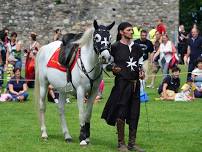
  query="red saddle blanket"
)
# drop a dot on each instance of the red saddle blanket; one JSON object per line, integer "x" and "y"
{"x": 54, "y": 63}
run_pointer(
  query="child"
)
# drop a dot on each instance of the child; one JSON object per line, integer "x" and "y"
{"x": 197, "y": 78}
{"x": 187, "y": 93}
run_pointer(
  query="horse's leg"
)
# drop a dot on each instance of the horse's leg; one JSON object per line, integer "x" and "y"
{"x": 61, "y": 106}
{"x": 88, "y": 114}
{"x": 42, "y": 107}
{"x": 81, "y": 104}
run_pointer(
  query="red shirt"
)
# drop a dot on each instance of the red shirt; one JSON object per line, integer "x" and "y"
{"x": 161, "y": 28}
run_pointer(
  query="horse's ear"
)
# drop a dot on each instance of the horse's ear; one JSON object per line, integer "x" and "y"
{"x": 95, "y": 24}
{"x": 109, "y": 27}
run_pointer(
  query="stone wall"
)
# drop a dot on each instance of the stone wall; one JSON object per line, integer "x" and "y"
{"x": 43, "y": 16}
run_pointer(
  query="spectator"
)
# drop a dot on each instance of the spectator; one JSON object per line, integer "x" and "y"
{"x": 6, "y": 38}
{"x": 30, "y": 60}
{"x": 57, "y": 35}
{"x": 17, "y": 86}
{"x": 147, "y": 49}
{"x": 161, "y": 27}
{"x": 170, "y": 85}
{"x": 2, "y": 52}
{"x": 182, "y": 42}
{"x": 136, "y": 32}
{"x": 197, "y": 77}
{"x": 152, "y": 35}
{"x": 52, "y": 95}
{"x": 187, "y": 92}
{"x": 194, "y": 50}
{"x": 166, "y": 51}
{"x": 14, "y": 51}
{"x": 100, "y": 91}
{"x": 155, "y": 62}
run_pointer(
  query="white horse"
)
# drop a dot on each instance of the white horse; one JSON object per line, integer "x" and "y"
{"x": 86, "y": 76}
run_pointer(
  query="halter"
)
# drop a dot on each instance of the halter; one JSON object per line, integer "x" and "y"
{"x": 97, "y": 50}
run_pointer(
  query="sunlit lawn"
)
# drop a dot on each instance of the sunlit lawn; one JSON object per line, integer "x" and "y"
{"x": 165, "y": 127}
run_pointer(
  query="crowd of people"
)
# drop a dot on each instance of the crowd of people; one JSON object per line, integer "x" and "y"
{"x": 12, "y": 53}
{"x": 160, "y": 53}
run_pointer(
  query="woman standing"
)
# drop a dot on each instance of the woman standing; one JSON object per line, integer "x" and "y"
{"x": 166, "y": 51}
{"x": 30, "y": 60}
{"x": 123, "y": 105}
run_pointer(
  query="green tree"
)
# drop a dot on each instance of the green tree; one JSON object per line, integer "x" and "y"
{"x": 190, "y": 13}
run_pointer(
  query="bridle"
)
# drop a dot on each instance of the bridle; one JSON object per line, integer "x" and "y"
{"x": 98, "y": 51}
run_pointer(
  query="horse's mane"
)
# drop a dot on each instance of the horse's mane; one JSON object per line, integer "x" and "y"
{"x": 86, "y": 37}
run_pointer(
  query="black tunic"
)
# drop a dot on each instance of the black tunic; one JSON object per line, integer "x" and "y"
{"x": 124, "y": 101}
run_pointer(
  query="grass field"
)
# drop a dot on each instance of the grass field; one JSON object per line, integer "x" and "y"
{"x": 170, "y": 127}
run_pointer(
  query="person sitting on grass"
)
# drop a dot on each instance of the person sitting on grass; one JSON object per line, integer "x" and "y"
{"x": 187, "y": 91}
{"x": 170, "y": 85}
{"x": 17, "y": 86}
{"x": 197, "y": 78}
{"x": 52, "y": 94}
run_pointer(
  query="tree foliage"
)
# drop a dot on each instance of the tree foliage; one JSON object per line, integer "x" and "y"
{"x": 190, "y": 13}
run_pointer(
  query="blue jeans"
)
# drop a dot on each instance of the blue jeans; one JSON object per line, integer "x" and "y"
{"x": 165, "y": 69}
{"x": 14, "y": 96}
{"x": 190, "y": 69}
{"x": 197, "y": 94}
{"x": 18, "y": 64}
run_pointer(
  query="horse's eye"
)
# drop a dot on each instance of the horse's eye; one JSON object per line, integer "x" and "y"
{"x": 97, "y": 37}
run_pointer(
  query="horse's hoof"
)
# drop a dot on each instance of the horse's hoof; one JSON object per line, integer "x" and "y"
{"x": 68, "y": 140}
{"x": 87, "y": 140}
{"x": 44, "y": 138}
{"x": 83, "y": 143}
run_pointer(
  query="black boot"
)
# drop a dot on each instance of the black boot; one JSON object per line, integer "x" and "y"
{"x": 132, "y": 146}
{"x": 120, "y": 130}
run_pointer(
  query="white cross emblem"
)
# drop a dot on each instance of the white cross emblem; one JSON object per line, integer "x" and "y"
{"x": 131, "y": 64}
{"x": 105, "y": 41}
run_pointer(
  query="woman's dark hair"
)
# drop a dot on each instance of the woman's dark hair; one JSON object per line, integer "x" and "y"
{"x": 14, "y": 34}
{"x": 175, "y": 69}
{"x": 16, "y": 69}
{"x": 57, "y": 30}
{"x": 121, "y": 27}
{"x": 33, "y": 36}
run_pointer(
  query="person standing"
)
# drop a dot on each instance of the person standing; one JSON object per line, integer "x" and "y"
{"x": 123, "y": 104}
{"x": 13, "y": 53}
{"x": 160, "y": 27}
{"x": 194, "y": 50}
{"x": 155, "y": 62}
{"x": 165, "y": 52}
{"x": 147, "y": 49}
{"x": 182, "y": 42}
{"x": 30, "y": 60}
{"x": 57, "y": 35}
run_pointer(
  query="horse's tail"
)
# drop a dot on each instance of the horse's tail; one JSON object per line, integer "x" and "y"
{"x": 37, "y": 83}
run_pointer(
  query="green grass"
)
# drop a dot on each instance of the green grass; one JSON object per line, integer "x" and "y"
{"x": 171, "y": 126}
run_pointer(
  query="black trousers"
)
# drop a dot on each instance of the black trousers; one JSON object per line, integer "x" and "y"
{"x": 190, "y": 69}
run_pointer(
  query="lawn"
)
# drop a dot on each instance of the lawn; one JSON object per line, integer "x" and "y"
{"x": 165, "y": 127}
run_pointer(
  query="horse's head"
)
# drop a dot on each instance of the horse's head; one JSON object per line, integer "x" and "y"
{"x": 102, "y": 41}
